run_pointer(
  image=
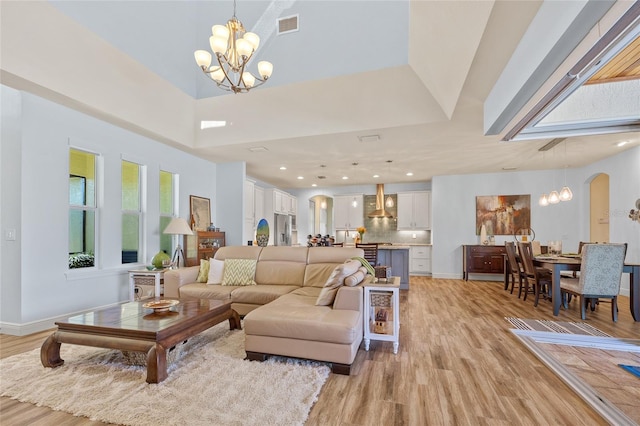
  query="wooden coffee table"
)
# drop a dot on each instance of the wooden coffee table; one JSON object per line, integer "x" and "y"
{"x": 132, "y": 327}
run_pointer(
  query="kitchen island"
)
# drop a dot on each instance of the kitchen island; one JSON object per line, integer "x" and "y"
{"x": 397, "y": 258}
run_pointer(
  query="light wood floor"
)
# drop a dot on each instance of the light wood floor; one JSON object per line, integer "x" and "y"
{"x": 457, "y": 365}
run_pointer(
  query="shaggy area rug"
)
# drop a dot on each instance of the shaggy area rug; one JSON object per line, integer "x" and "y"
{"x": 209, "y": 383}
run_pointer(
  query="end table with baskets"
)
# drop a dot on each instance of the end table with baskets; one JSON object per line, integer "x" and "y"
{"x": 382, "y": 312}
{"x": 142, "y": 279}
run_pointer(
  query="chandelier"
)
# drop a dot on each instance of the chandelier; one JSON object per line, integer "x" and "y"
{"x": 233, "y": 48}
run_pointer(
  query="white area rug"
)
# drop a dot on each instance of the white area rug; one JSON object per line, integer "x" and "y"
{"x": 209, "y": 384}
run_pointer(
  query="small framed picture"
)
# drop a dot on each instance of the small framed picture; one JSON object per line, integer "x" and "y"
{"x": 200, "y": 213}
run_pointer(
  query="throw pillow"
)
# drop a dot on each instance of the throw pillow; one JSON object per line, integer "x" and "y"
{"x": 203, "y": 274}
{"x": 239, "y": 272}
{"x": 336, "y": 280}
{"x": 355, "y": 278}
{"x": 216, "y": 268}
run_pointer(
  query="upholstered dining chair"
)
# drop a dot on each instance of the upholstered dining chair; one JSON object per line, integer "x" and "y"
{"x": 600, "y": 274}
{"x": 515, "y": 268}
{"x": 537, "y": 278}
{"x": 337, "y": 245}
{"x": 370, "y": 252}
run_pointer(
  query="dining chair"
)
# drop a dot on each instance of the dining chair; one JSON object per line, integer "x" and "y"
{"x": 337, "y": 245}
{"x": 600, "y": 274}
{"x": 539, "y": 279}
{"x": 370, "y": 252}
{"x": 575, "y": 274}
{"x": 536, "y": 248}
{"x": 515, "y": 268}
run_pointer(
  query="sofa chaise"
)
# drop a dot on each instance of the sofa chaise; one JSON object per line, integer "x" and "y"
{"x": 291, "y": 309}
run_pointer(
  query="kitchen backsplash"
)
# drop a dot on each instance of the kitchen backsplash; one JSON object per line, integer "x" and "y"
{"x": 385, "y": 230}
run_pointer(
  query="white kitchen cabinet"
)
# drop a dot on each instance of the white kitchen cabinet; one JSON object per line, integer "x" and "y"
{"x": 258, "y": 205}
{"x": 346, "y": 216}
{"x": 253, "y": 209}
{"x": 420, "y": 263}
{"x": 249, "y": 204}
{"x": 414, "y": 211}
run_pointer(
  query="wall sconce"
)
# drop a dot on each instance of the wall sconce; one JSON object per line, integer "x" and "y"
{"x": 635, "y": 214}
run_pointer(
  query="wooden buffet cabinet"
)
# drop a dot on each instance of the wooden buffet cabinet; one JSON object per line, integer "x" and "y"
{"x": 479, "y": 259}
{"x": 202, "y": 245}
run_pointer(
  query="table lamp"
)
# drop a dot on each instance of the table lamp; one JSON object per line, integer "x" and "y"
{"x": 178, "y": 226}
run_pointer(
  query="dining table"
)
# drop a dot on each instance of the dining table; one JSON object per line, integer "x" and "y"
{"x": 557, "y": 264}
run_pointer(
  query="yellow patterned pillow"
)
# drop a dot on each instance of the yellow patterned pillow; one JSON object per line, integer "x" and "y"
{"x": 203, "y": 274}
{"x": 239, "y": 272}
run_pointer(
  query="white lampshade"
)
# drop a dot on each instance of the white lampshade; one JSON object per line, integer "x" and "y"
{"x": 203, "y": 58}
{"x": 217, "y": 74}
{"x": 554, "y": 197}
{"x": 543, "y": 201}
{"x": 218, "y": 44}
{"x": 178, "y": 226}
{"x": 221, "y": 31}
{"x": 252, "y": 38}
{"x": 244, "y": 47}
{"x": 248, "y": 78}
{"x": 265, "y": 68}
{"x": 565, "y": 194}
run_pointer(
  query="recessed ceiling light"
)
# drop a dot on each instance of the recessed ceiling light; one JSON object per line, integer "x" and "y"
{"x": 314, "y": 184}
{"x": 209, "y": 124}
{"x": 623, "y": 143}
{"x": 300, "y": 177}
{"x": 345, "y": 177}
{"x": 283, "y": 168}
{"x": 409, "y": 174}
{"x": 376, "y": 176}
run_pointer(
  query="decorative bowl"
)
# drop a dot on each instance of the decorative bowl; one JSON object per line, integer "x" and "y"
{"x": 160, "y": 305}
{"x": 150, "y": 267}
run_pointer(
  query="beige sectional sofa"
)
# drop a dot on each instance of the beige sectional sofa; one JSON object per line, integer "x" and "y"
{"x": 281, "y": 316}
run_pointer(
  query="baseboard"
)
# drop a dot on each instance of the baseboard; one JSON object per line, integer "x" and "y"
{"x": 25, "y": 329}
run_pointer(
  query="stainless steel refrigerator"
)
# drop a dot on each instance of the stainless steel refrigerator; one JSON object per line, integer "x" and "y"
{"x": 282, "y": 230}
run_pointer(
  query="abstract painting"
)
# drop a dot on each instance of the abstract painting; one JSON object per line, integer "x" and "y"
{"x": 503, "y": 214}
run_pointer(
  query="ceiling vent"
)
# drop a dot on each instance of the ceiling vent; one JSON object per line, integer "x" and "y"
{"x": 369, "y": 138}
{"x": 288, "y": 24}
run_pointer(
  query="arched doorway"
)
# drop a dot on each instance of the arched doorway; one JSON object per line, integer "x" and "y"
{"x": 599, "y": 208}
{"x": 320, "y": 215}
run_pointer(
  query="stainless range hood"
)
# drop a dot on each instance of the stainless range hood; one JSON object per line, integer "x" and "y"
{"x": 380, "y": 211}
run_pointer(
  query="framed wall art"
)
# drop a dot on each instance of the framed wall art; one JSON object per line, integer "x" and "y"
{"x": 200, "y": 213}
{"x": 503, "y": 214}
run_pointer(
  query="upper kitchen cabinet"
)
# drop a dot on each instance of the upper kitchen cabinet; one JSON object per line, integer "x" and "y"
{"x": 282, "y": 202}
{"x": 348, "y": 211}
{"x": 249, "y": 200}
{"x": 414, "y": 211}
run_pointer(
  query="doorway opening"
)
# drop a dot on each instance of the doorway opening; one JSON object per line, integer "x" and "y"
{"x": 599, "y": 208}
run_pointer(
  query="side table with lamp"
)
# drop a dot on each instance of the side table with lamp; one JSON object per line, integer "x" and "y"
{"x": 178, "y": 226}
{"x": 154, "y": 275}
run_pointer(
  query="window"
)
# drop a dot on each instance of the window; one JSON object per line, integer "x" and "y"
{"x": 82, "y": 209}
{"x": 166, "y": 209}
{"x": 131, "y": 212}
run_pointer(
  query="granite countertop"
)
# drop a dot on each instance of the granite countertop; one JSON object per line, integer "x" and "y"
{"x": 395, "y": 246}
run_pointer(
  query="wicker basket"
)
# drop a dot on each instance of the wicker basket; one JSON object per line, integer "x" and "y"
{"x": 144, "y": 287}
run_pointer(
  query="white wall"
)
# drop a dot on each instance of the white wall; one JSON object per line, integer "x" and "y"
{"x": 36, "y": 284}
{"x": 453, "y": 204}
